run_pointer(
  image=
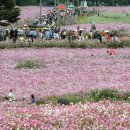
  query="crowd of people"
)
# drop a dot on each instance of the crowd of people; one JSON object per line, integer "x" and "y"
{"x": 24, "y": 35}
{"x": 46, "y": 28}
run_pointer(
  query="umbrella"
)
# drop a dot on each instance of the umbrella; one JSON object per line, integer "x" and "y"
{"x": 70, "y": 9}
{"x": 106, "y": 31}
{"x": 81, "y": 29}
{"x": 71, "y": 6}
{"x": 61, "y": 7}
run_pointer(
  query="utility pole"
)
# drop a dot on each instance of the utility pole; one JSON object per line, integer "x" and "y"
{"x": 77, "y": 2}
{"x": 113, "y": 2}
{"x": 55, "y": 4}
{"x": 67, "y": 3}
{"x": 40, "y": 9}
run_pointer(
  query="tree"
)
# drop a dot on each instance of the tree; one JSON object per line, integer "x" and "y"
{"x": 8, "y": 3}
{"x": 26, "y": 2}
{"x": 8, "y": 11}
{"x": 51, "y": 2}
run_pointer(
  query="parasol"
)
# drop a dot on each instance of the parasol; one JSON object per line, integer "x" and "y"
{"x": 71, "y": 7}
{"x": 62, "y": 7}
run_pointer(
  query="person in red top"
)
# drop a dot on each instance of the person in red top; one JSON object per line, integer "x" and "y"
{"x": 108, "y": 38}
{"x": 103, "y": 33}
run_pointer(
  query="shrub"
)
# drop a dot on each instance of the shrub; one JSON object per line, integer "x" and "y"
{"x": 73, "y": 45}
{"x": 41, "y": 101}
{"x": 93, "y": 96}
{"x": 98, "y": 95}
{"x": 63, "y": 101}
{"x": 29, "y": 64}
{"x": 10, "y": 14}
{"x": 120, "y": 44}
{"x": 65, "y": 44}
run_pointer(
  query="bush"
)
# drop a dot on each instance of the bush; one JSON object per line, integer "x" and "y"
{"x": 29, "y": 64}
{"x": 121, "y": 44}
{"x": 93, "y": 96}
{"x": 10, "y": 14}
{"x": 65, "y": 44}
{"x": 63, "y": 101}
{"x": 99, "y": 95}
{"x": 59, "y": 44}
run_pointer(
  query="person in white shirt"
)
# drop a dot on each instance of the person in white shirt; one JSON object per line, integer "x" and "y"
{"x": 11, "y": 96}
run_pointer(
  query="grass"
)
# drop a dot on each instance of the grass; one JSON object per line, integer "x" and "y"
{"x": 93, "y": 96}
{"x": 65, "y": 44}
{"x": 105, "y": 17}
{"x": 28, "y": 64}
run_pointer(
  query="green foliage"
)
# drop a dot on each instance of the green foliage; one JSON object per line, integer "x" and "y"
{"x": 8, "y": 4}
{"x": 59, "y": 44}
{"x": 9, "y": 12}
{"x": 94, "y": 2}
{"x": 105, "y": 17}
{"x": 33, "y": 2}
{"x": 27, "y": 2}
{"x": 93, "y": 96}
{"x": 41, "y": 101}
{"x": 63, "y": 101}
{"x": 99, "y": 95}
{"x": 109, "y": 2}
{"x": 116, "y": 44}
{"x": 66, "y": 44}
{"x": 29, "y": 64}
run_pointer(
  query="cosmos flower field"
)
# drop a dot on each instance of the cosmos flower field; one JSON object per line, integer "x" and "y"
{"x": 89, "y": 116}
{"x": 65, "y": 71}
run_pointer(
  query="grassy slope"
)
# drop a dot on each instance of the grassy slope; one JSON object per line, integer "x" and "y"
{"x": 105, "y": 17}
